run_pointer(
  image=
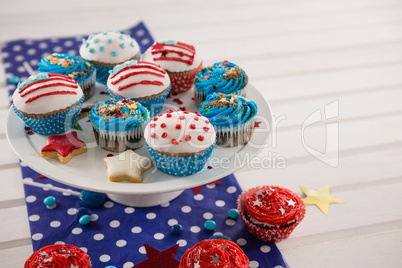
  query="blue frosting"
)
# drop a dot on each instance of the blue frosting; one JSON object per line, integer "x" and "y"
{"x": 33, "y": 78}
{"x": 76, "y": 67}
{"x": 114, "y": 111}
{"x": 223, "y": 77}
{"x": 228, "y": 110}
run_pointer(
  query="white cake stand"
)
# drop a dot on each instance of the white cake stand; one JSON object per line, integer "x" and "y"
{"x": 87, "y": 171}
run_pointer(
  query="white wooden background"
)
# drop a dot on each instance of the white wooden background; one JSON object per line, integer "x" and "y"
{"x": 302, "y": 55}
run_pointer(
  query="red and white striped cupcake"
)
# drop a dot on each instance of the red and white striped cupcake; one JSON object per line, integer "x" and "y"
{"x": 48, "y": 103}
{"x": 179, "y": 59}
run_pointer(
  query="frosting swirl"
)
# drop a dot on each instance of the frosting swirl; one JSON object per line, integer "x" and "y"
{"x": 58, "y": 256}
{"x": 224, "y": 77}
{"x": 118, "y": 116}
{"x": 228, "y": 110}
{"x": 70, "y": 65}
{"x": 214, "y": 253}
{"x": 274, "y": 206}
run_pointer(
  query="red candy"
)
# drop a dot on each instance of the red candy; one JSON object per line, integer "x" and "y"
{"x": 182, "y": 117}
{"x": 152, "y": 125}
{"x": 192, "y": 126}
{"x": 164, "y": 135}
{"x": 187, "y": 137}
{"x": 178, "y": 126}
{"x": 155, "y": 118}
{"x": 205, "y": 129}
{"x": 117, "y": 115}
{"x": 153, "y": 135}
{"x": 196, "y": 118}
{"x": 198, "y": 113}
{"x": 168, "y": 115}
{"x": 174, "y": 141}
{"x": 163, "y": 125}
{"x": 207, "y": 121}
{"x": 201, "y": 138}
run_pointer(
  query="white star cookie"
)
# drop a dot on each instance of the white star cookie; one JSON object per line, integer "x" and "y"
{"x": 127, "y": 166}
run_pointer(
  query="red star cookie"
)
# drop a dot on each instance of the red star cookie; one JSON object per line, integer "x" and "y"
{"x": 63, "y": 147}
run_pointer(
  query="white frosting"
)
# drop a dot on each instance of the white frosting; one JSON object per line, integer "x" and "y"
{"x": 172, "y": 66}
{"x": 194, "y": 145}
{"x": 49, "y": 103}
{"x": 140, "y": 90}
{"x": 120, "y": 44}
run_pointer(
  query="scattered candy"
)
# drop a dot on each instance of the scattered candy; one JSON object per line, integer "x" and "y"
{"x": 14, "y": 80}
{"x": 84, "y": 220}
{"x": 81, "y": 212}
{"x": 92, "y": 199}
{"x": 49, "y": 201}
{"x": 177, "y": 229}
{"x": 210, "y": 225}
{"x": 233, "y": 213}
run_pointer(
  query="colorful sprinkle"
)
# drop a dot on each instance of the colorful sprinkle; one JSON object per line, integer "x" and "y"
{"x": 164, "y": 135}
{"x": 200, "y": 138}
{"x": 91, "y": 50}
{"x": 155, "y": 118}
{"x": 174, "y": 141}
{"x": 196, "y": 118}
{"x": 152, "y": 125}
{"x": 114, "y": 53}
{"x": 187, "y": 137}
{"x": 109, "y": 41}
{"x": 152, "y": 135}
{"x": 178, "y": 126}
{"x": 122, "y": 45}
{"x": 132, "y": 44}
{"x": 101, "y": 48}
{"x": 168, "y": 115}
{"x": 182, "y": 117}
{"x": 96, "y": 40}
{"x": 192, "y": 126}
{"x": 205, "y": 129}
{"x": 163, "y": 125}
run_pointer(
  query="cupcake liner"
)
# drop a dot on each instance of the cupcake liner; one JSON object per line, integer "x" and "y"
{"x": 88, "y": 85}
{"x": 235, "y": 135}
{"x": 180, "y": 165}
{"x": 183, "y": 81}
{"x": 153, "y": 104}
{"x": 53, "y": 124}
{"x": 118, "y": 141}
{"x": 200, "y": 95}
{"x": 102, "y": 71}
{"x": 272, "y": 234}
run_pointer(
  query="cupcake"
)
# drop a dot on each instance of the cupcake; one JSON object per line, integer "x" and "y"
{"x": 140, "y": 81}
{"x": 119, "y": 125}
{"x": 222, "y": 77}
{"x": 77, "y": 68}
{"x": 108, "y": 49}
{"x": 48, "y": 103}
{"x": 180, "y": 142}
{"x": 217, "y": 253}
{"x": 232, "y": 116}
{"x": 270, "y": 213}
{"x": 59, "y": 256}
{"x": 180, "y": 60}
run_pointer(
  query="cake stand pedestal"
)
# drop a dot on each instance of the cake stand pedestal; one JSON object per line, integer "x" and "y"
{"x": 144, "y": 200}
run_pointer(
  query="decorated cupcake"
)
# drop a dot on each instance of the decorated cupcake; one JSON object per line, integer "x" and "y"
{"x": 119, "y": 125}
{"x": 232, "y": 116}
{"x": 217, "y": 253}
{"x": 48, "y": 103}
{"x": 77, "y": 68}
{"x": 108, "y": 49}
{"x": 270, "y": 213}
{"x": 59, "y": 256}
{"x": 222, "y": 77}
{"x": 180, "y": 142}
{"x": 140, "y": 81}
{"x": 179, "y": 59}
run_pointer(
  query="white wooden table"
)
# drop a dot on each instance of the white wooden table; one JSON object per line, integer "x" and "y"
{"x": 302, "y": 55}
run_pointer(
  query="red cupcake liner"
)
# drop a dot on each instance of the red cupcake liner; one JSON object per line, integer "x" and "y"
{"x": 183, "y": 81}
{"x": 273, "y": 234}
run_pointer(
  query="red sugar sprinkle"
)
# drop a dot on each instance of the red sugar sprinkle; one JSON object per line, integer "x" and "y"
{"x": 163, "y": 125}
{"x": 30, "y": 132}
{"x": 164, "y": 135}
{"x": 168, "y": 115}
{"x": 200, "y": 138}
{"x": 192, "y": 126}
{"x": 196, "y": 118}
{"x": 186, "y": 111}
{"x": 187, "y": 137}
{"x": 155, "y": 118}
{"x": 159, "y": 114}
{"x": 198, "y": 113}
{"x": 152, "y": 125}
{"x": 153, "y": 135}
{"x": 170, "y": 111}
{"x": 174, "y": 141}
{"x": 178, "y": 126}
{"x": 182, "y": 117}
{"x": 117, "y": 115}
{"x": 205, "y": 129}
{"x": 207, "y": 121}
{"x": 110, "y": 155}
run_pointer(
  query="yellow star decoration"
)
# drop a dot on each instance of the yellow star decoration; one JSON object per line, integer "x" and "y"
{"x": 321, "y": 198}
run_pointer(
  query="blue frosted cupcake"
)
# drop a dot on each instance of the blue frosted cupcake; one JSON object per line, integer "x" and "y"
{"x": 222, "y": 77}
{"x": 77, "y": 68}
{"x": 140, "y": 81}
{"x": 232, "y": 116}
{"x": 180, "y": 142}
{"x": 119, "y": 125}
{"x": 48, "y": 103}
{"x": 108, "y": 49}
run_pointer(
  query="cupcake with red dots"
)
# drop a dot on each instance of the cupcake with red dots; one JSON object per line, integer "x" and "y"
{"x": 180, "y": 60}
{"x": 59, "y": 256}
{"x": 180, "y": 142}
{"x": 217, "y": 253}
{"x": 270, "y": 213}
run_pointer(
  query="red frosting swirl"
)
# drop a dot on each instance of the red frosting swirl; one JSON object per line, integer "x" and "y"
{"x": 59, "y": 256}
{"x": 216, "y": 253}
{"x": 273, "y": 205}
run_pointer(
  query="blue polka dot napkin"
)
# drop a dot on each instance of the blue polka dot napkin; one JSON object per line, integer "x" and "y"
{"x": 116, "y": 234}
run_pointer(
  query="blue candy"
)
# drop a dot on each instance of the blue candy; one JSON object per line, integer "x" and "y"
{"x": 92, "y": 199}
{"x": 49, "y": 201}
{"x": 210, "y": 225}
{"x": 177, "y": 229}
{"x": 84, "y": 220}
{"x": 233, "y": 213}
{"x": 81, "y": 212}
{"x": 14, "y": 80}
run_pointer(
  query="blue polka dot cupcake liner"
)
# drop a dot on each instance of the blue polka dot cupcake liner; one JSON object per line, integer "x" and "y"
{"x": 102, "y": 71}
{"x": 88, "y": 85}
{"x": 53, "y": 124}
{"x": 153, "y": 105}
{"x": 180, "y": 165}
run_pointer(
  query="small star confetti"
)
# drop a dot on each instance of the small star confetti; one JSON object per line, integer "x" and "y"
{"x": 321, "y": 198}
{"x": 257, "y": 202}
{"x": 257, "y": 124}
{"x": 157, "y": 258}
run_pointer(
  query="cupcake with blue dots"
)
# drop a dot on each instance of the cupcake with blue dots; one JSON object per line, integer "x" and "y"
{"x": 106, "y": 50}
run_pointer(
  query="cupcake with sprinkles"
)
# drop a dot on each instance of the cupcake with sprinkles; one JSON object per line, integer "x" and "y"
{"x": 232, "y": 116}
{"x": 222, "y": 77}
{"x": 119, "y": 125}
{"x": 180, "y": 142}
{"x": 140, "y": 81}
{"x": 75, "y": 67}
{"x": 59, "y": 256}
{"x": 106, "y": 50}
{"x": 180, "y": 60}
{"x": 48, "y": 103}
{"x": 270, "y": 213}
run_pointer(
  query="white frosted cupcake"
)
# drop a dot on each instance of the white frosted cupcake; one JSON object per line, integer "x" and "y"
{"x": 180, "y": 142}
{"x": 108, "y": 49}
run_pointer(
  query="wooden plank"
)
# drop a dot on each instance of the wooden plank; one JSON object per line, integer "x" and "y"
{"x": 7, "y": 157}
{"x": 11, "y": 189}
{"x": 15, "y": 256}
{"x": 18, "y": 219}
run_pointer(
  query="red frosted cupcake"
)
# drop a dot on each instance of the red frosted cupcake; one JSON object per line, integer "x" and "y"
{"x": 270, "y": 212}
{"x": 59, "y": 256}
{"x": 217, "y": 253}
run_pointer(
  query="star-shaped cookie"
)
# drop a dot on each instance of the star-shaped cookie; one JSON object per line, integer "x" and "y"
{"x": 63, "y": 147}
{"x": 127, "y": 166}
